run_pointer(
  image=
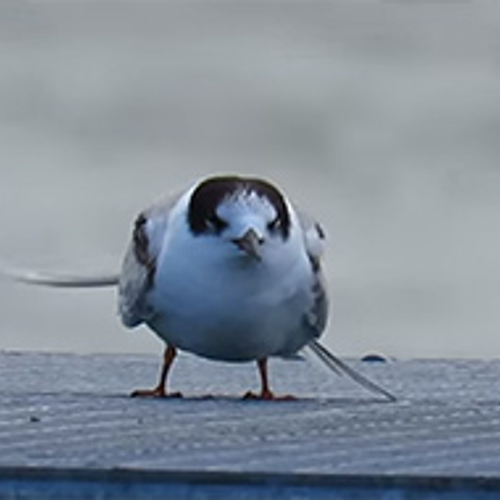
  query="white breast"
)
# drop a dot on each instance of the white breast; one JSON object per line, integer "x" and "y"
{"x": 211, "y": 301}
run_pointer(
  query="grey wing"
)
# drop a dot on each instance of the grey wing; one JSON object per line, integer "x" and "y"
{"x": 132, "y": 289}
{"x": 318, "y": 315}
{"x": 316, "y": 318}
{"x": 140, "y": 263}
{"x": 314, "y": 238}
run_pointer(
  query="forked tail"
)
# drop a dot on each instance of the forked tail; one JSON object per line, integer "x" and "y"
{"x": 339, "y": 367}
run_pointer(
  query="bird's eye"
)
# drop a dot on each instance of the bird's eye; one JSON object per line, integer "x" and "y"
{"x": 274, "y": 225}
{"x": 216, "y": 223}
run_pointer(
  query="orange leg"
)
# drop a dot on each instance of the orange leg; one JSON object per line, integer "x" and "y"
{"x": 265, "y": 391}
{"x": 160, "y": 390}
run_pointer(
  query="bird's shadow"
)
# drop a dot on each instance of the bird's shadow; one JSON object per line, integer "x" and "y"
{"x": 235, "y": 399}
{"x": 215, "y": 398}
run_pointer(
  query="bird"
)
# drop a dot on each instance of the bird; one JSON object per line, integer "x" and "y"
{"x": 228, "y": 269}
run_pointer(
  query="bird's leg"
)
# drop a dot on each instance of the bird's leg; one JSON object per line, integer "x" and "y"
{"x": 265, "y": 391}
{"x": 160, "y": 390}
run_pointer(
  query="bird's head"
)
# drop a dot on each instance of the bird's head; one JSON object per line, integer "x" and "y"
{"x": 249, "y": 215}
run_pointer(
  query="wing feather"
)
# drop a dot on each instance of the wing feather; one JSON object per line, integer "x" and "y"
{"x": 314, "y": 237}
{"x": 140, "y": 262}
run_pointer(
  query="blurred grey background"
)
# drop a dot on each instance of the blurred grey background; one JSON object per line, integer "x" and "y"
{"x": 380, "y": 118}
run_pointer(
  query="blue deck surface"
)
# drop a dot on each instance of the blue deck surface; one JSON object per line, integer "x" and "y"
{"x": 69, "y": 430}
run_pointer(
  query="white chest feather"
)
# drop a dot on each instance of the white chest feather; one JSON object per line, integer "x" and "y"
{"x": 218, "y": 304}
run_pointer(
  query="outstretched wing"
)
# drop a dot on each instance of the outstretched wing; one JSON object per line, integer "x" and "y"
{"x": 140, "y": 262}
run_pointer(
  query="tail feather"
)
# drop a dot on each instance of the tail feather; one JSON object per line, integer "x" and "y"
{"x": 61, "y": 280}
{"x": 339, "y": 367}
